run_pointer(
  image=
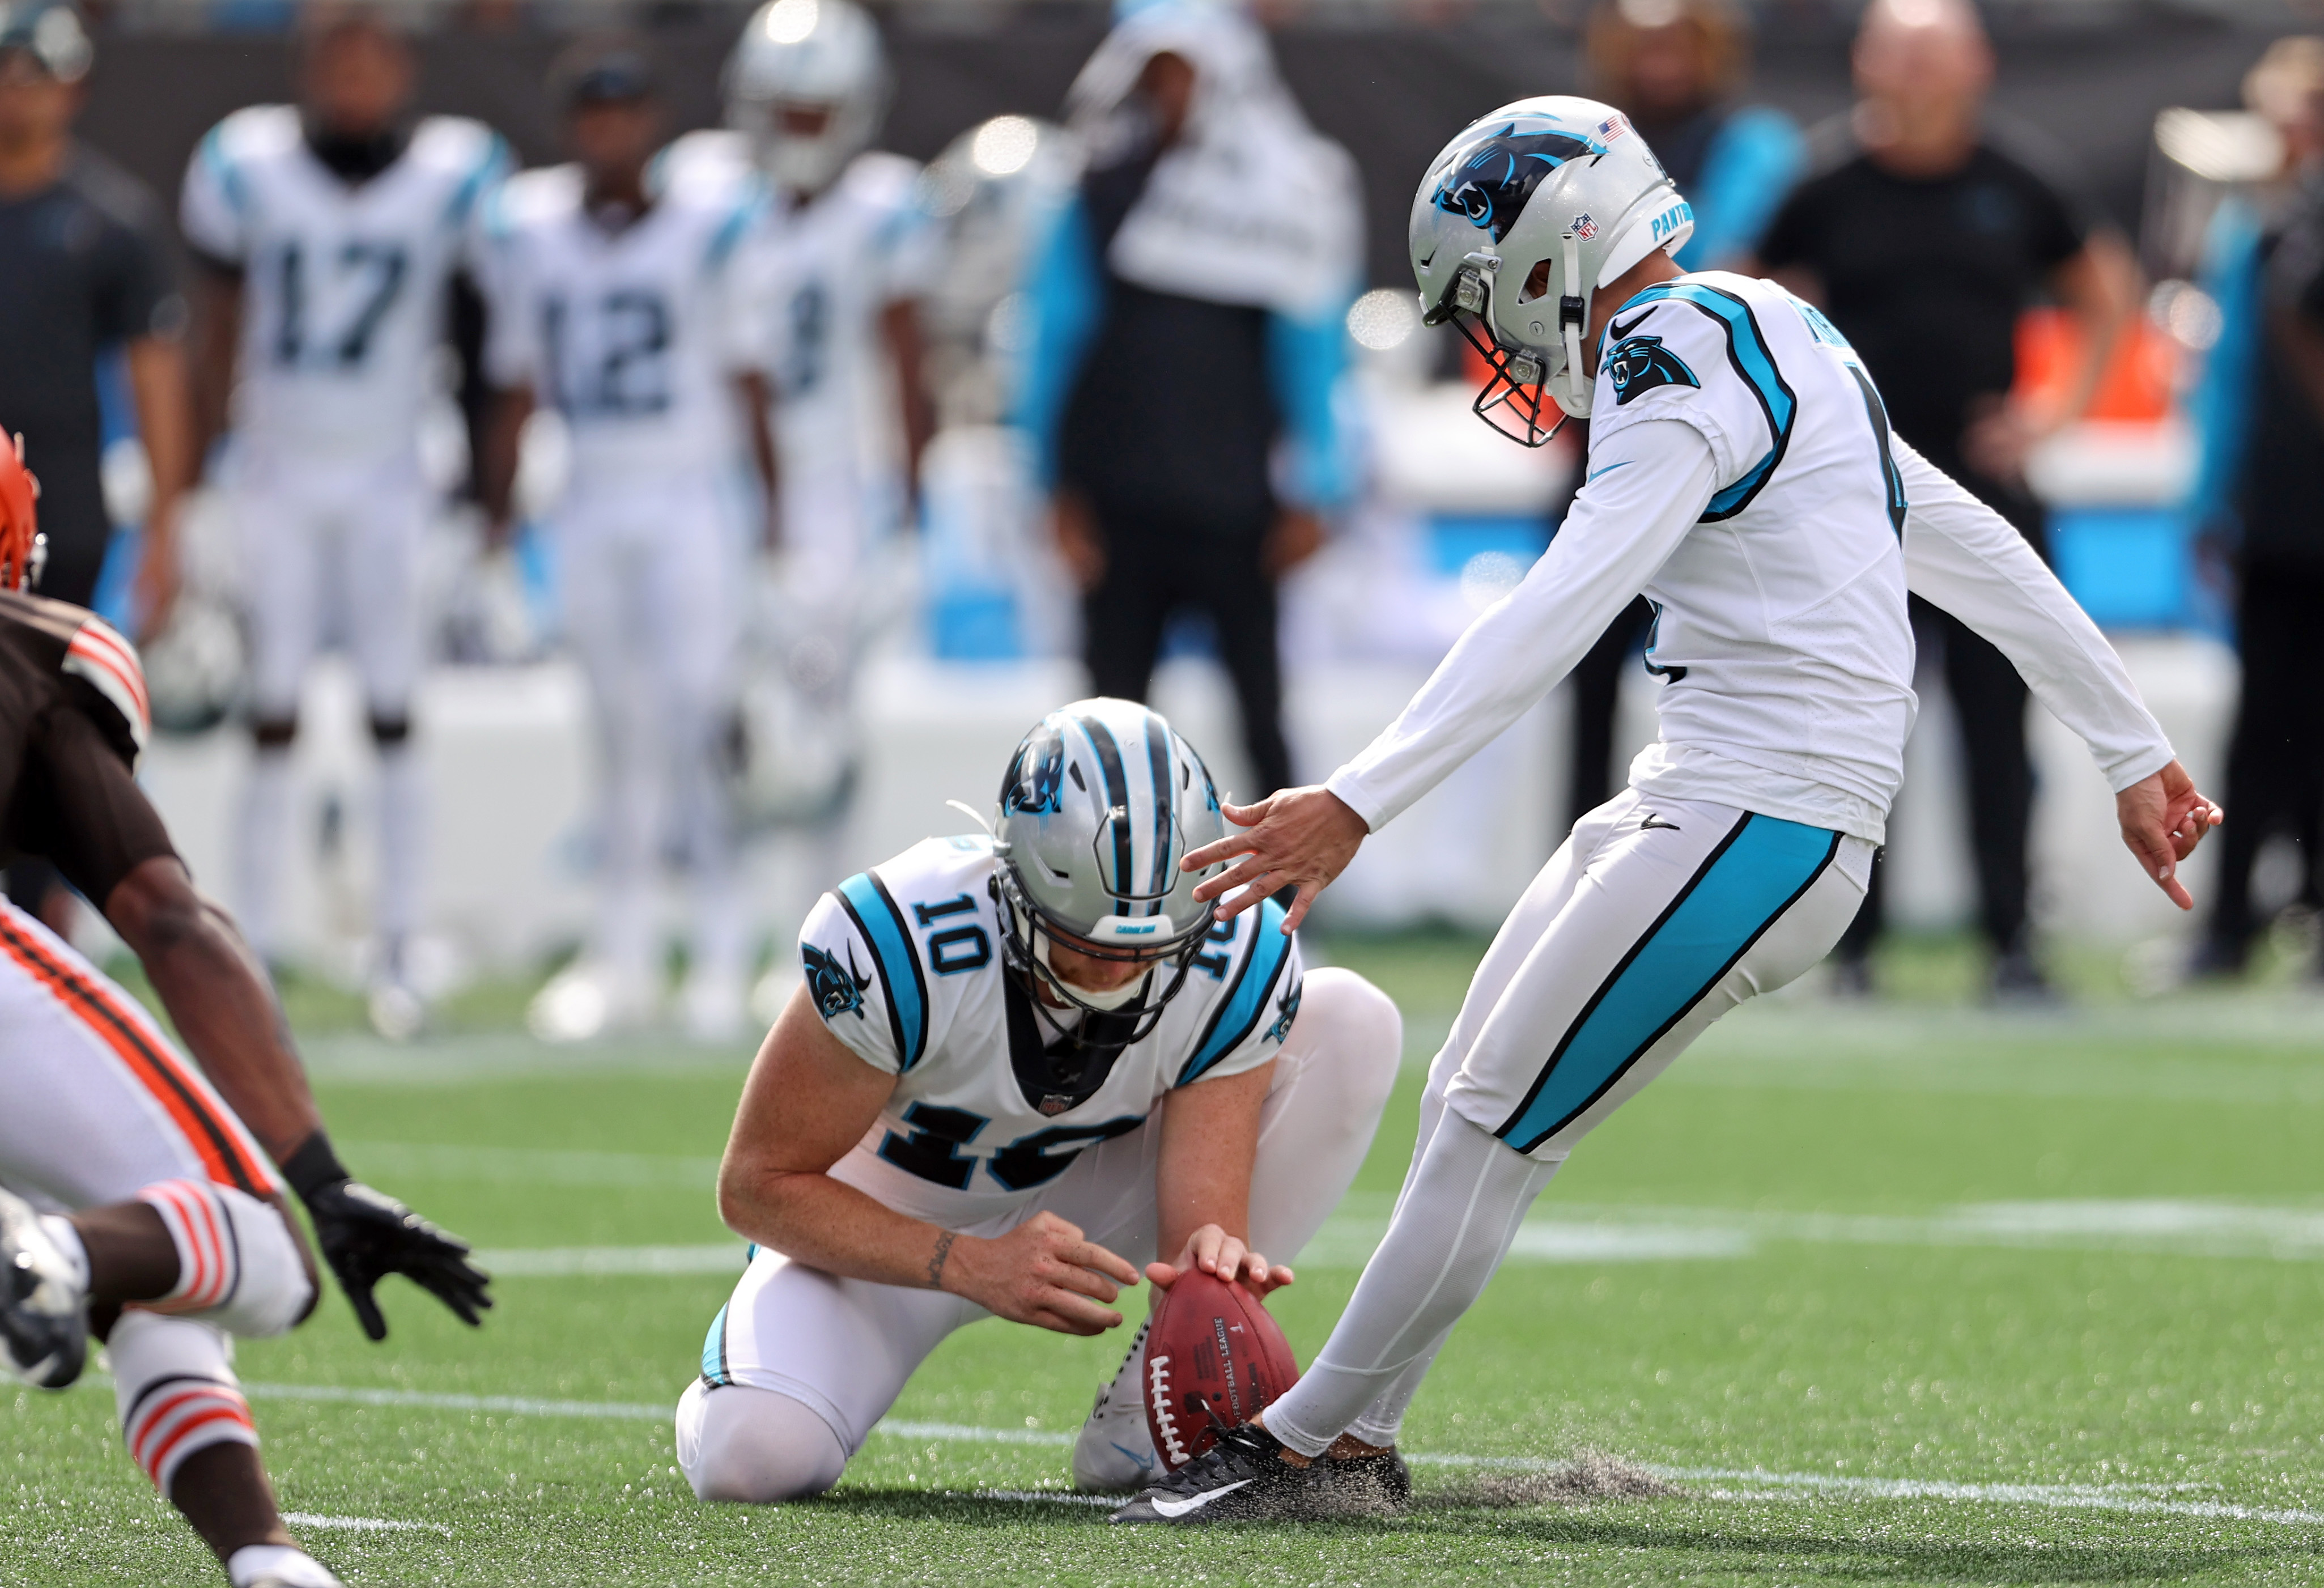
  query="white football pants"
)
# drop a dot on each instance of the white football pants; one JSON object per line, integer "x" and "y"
{"x": 330, "y": 547}
{"x": 799, "y": 1365}
{"x": 1655, "y": 918}
{"x": 102, "y": 1108}
{"x": 652, "y": 575}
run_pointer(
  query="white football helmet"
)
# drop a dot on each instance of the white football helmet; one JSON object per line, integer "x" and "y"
{"x": 1101, "y": 802}
{"x": 1518, "y": 223}
{"x": 805, "y": 56}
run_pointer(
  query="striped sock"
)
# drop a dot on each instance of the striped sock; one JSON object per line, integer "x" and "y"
{"x": 210, "y": 1257}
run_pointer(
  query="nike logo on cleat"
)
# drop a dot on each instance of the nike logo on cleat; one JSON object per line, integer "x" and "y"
{"x": 1650, "y": 823}
{"x": 1172, "y": 1509}
{"x": 1145, "y": 1463}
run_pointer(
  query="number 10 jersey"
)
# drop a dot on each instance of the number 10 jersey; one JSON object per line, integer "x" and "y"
{"x": 343, "y": 282}
{"x": 904, "y": 964}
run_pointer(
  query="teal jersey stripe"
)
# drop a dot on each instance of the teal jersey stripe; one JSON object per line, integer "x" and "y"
{"x": 883, "y": 926}
{"x": 714, "y": 1352}
{"x": 1747, "y": 350}
{"x": 1238, "y": 1013}
{"x": 1751, "y": 878}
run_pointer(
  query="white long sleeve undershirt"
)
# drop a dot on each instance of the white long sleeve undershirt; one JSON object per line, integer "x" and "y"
{"x": 1649, "y": 485}
{"x": 1962, "y": 556}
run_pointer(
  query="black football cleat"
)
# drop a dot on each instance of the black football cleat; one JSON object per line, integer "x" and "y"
{"x": 43, "y": 1306}
{"x": 1241, "y": 1478}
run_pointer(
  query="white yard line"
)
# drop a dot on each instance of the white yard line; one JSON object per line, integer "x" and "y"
{"x": 1735, "y": 1484}
{"x": 303, "y": 1519}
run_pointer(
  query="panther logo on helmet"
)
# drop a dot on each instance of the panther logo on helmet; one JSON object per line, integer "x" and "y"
{"x": 1639, "y": 364}
{"x": 837, "y": 988}
{"x": 1036, "y": 780}
{"x": 1492, "y": 182}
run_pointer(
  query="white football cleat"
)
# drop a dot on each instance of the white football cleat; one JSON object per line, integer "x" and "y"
{"x": 43, "y": 1301}
{"x": 278, "y": 1566}
{"x": 1115, "y": 1451}
{"x": 397, "y": 1014}
{"x": 588, "y": 999}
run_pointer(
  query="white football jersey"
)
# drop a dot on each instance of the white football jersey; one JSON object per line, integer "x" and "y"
{"x": 343, "y": 301}
{"x": 820, "y": 275}
{"x": 904, "y": 963}
{"x": 1742, "y": 475}
{"x": 626, "y": 334}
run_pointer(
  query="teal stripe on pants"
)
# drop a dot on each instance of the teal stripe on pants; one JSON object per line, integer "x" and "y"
{"x": 1754, "y": 876}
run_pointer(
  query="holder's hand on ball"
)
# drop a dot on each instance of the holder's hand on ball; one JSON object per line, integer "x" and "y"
{"x": 1214, "y": 1251}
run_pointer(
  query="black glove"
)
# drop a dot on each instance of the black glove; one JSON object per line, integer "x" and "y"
{"x": 366, "y": 1235}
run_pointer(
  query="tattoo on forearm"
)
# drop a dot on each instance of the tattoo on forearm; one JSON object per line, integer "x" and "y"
{"x": 937, "y": 1259}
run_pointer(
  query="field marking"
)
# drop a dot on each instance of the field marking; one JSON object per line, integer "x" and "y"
{"x": 2130, "y": 1499}
{"x": 306, "y": 1518}
{"x": 1610, "y": 1233}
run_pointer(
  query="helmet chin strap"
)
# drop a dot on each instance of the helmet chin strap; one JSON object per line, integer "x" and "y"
{"x": 1571, "y": 387}
{"x": 1111, "y": 999}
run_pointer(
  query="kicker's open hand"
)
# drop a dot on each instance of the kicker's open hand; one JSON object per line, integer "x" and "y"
{"x": 2164, "y": 817}
{"x": 1298, "y": 839}
{"x": 366, "y": 1235}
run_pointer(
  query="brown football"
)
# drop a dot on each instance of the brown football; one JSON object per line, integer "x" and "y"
{"x": 1211, "y": 1351}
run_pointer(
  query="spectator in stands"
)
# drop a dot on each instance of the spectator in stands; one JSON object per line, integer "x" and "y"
{"x": 1925, "y": 232}
{"x": 2261, "y": 487}
{"x": 84, "y": 269}
{"x": 1674, "y": 67}
{"x": 1164, "y": 370}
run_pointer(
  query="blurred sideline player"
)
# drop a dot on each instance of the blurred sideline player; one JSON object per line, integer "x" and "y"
{"x": 829, "y": 292}
{"x": 329, "y": 231}
{"x": 1008, "y": 1069}
{"x": 165, "y": 1228}
{"x": 1743, "y": 476}
{"x": 609, "y": 280}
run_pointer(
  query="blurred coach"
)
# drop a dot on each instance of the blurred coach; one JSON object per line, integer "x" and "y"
{"x": 1925, "y": 234}
{"x": 1674, "y": 68}
{"x": 1188, "y": 313}
{"x": 84, "y": 269}
{"x": 2261, "y": 488}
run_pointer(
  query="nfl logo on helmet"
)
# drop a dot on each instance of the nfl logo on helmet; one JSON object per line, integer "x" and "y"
{"x": 1585, "y": 227}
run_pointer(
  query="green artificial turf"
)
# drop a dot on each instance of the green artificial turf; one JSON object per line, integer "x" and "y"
{"x": 1839, "y": 1260}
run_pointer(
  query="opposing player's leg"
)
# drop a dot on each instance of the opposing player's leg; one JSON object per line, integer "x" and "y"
{"x": 1332, "y": 1077}
{"x": 1653, "y": 920}
{"x": 381, "y": 599}
{"x": 281, "y": 536}
{"x": 797, "y": 1369}
{"x": 166, "y": 1229}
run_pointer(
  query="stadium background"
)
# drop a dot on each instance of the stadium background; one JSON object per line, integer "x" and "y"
{"x": 974, "y": 658}
{"x": 1895, "y": 1293}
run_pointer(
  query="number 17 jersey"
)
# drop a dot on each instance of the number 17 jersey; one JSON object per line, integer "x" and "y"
{"x": 342, "y": 282}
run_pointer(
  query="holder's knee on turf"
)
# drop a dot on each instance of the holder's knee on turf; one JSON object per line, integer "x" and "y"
{"x": 738, "y": 1443}
{"x": 238, "y": 1263}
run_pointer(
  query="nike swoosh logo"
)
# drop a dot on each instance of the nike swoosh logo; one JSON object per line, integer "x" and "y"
{"x": 1172, "y": 1509}
{"x": 1620, "y": 332}
{"x": 1610, "y": 468}
{"x": 1650, "y": 823}
{"x": 1145, "y": 1463}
